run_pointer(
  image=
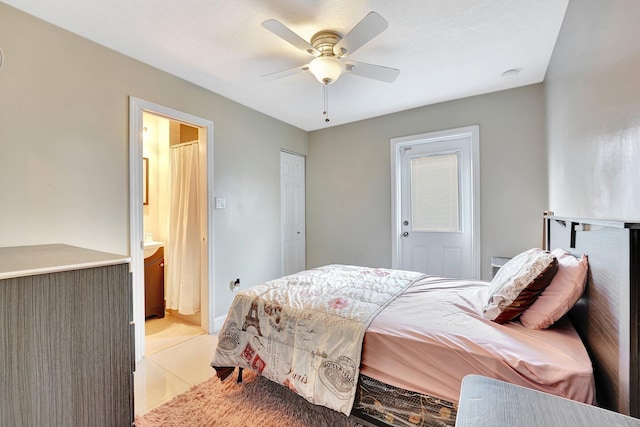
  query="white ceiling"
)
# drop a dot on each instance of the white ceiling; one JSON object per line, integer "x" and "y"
{"x": 445, "y": 49}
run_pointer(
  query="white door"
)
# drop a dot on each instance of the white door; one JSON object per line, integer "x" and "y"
{"x": 292, "y": 200}
{"x": 437, "y": 204}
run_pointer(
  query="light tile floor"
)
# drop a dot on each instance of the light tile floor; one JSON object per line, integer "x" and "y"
{"x": 177, "y": 357}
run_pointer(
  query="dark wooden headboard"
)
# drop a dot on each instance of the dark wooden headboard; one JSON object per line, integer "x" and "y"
{"x": 607, "y": 315}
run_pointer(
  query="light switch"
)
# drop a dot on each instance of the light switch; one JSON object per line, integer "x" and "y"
{"x": 221, "y": 203}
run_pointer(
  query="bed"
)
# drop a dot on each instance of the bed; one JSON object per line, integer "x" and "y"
{"x": 410, "y": 375}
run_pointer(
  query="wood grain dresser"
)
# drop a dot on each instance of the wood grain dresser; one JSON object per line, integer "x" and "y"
{"x": 66, "y": 337}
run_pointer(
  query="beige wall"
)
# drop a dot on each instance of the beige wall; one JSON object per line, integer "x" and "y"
{"x": 64, "y": 138}
{"x": 593, "y": 112}
{"x": 155, "y": 147}
{"x": 349, "y": 177}
{"x": 64, "y": 161}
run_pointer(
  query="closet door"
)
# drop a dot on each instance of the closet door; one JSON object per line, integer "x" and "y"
{"x": 292, "y": 200}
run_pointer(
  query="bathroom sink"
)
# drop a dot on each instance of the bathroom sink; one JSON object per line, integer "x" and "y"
{"x": 151, "y": 247}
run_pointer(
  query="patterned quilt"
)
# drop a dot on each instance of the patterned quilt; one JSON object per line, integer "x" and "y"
{"x": 305, "y": 331}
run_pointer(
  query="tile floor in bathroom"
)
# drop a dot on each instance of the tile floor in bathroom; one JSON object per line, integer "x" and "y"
{"x": 177, "y": 357}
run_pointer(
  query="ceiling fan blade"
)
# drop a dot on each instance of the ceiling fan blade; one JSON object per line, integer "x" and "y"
{"x": 370, "y": 26}
{"x": 282, "y": 31}
{"x": 376, "y": 72}
{"x": 286, "y": 73}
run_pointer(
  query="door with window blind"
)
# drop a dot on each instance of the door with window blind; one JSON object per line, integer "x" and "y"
{"x": 437, "y": 224}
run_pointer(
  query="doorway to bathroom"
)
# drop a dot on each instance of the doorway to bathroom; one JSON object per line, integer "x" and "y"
{"x": 171, "y": 155}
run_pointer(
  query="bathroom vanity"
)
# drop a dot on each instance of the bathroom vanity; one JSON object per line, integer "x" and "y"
{"x": 66, "y": 337}
{"x": 154, "y": 303}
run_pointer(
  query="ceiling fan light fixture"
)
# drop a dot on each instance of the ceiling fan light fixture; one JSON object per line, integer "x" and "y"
{"x": 326, "y": 69}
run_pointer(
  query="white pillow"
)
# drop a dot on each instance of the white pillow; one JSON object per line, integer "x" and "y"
{"x": 563, "y": 292}
{"x": 518, "y": 283}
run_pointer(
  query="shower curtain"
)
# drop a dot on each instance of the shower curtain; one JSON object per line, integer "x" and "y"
{"x": 183, "y": 256}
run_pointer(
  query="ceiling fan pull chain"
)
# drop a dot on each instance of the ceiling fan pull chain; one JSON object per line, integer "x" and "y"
{"x": 326, "y": 102}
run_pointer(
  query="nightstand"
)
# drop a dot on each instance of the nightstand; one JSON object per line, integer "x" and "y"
{"x": 496, "y": 263}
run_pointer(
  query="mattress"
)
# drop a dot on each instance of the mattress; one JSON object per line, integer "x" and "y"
{"x": 433, "y": 335}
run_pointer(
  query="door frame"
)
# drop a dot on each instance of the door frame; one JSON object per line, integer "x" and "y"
{"x": 136, "y": 216}
{"x": 400, "y": 143}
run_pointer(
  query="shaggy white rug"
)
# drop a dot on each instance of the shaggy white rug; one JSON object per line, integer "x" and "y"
{"x": 255, "y": 402}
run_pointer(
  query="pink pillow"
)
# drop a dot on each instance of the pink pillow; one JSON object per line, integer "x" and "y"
{"x": 563, "y": 292}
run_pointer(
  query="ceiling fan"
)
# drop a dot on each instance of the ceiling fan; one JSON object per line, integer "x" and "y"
{"x": 330, "y": 51}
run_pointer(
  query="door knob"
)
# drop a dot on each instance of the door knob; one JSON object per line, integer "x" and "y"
{"x": 405, "y": 223}
{"x": 405, "y": 234}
